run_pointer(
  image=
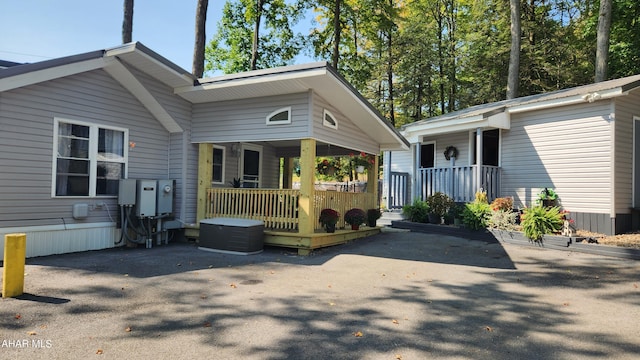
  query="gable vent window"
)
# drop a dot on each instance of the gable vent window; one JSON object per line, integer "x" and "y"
{"x": 280, "y": 116}
{"x": 329, "y": 120}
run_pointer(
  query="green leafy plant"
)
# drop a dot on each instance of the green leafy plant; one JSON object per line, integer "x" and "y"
{"x": 355, "y": 216}
{"x": 547, "y": 197}
{"x": 475, "y": 215}
{"x": 416, "y": 212}
{"x": 502, "y": 219}
{"x": 439, "y": 203}
{"x": 540, "y": 220}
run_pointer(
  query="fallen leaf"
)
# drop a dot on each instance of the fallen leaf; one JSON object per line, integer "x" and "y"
{"x": 207, "y": 324}
{"x": 383, "y": 274}
{"x": 43, "y": 326}
{"x": 272, "y": 272}
{"x": 233, "y": 285}
{"x": 203, "y": 297}
{"x": 395, "y": 321}
{"x": 357, "y": 334}
{"x": 635, "y": 286}
{"x": 398, "y": 357}
{"x": 32, "y": 333}
{"x": 329, "y": 285}
{"x": 597, "y": 277}
{"x": 566, "y": 304}
{"x": 18, "y": 316}
{"x": 331, "y": 304}
{"x": 128, "y": 329}
{"x": 488, "y": 328}
{"x": 99, "y": 352}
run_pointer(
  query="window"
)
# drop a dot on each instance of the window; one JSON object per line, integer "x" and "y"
{"x": 218, "y": 165}
{"x": 427, "y": 155}
{"x": 280, "y": 116}
{"x": 89, "y": 160}
{"x": 329, "y": 120}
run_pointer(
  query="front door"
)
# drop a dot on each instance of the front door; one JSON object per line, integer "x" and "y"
{"x": 251, "y": 165}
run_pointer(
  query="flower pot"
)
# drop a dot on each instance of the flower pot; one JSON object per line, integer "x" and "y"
{"x": 330, "y": 228}
{"x": 359, "y": 169}
{"x": 355, "y": 227}
{"x": 434, "y": 218}
{"x": 371, "y": 223}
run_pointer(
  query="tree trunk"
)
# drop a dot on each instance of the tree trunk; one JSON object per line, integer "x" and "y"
{"x": 336, "y": 35}
{"x": 514, "y": 57}
{"x": 127, "y": 22}
{"x": 256, "y": 34}
{"x": 198, "y": 49}
{"x": 602, "y": 47}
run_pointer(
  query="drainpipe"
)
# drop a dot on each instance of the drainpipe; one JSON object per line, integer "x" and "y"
{"x": 478, "y": 159}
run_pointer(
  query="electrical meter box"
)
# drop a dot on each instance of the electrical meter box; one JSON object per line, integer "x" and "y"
{"x": 164, "y": 199}
{"x": 146, "y": 198}
{"x": 127, "y": 192}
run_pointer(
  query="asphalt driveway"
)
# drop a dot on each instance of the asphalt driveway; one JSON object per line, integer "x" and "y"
{"x": 397, "y": 295}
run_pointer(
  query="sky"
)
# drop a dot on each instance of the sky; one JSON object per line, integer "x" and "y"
{"x": 37, "y": 30}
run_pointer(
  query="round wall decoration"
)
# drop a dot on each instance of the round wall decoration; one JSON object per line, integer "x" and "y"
{"x": 450, "y": 152}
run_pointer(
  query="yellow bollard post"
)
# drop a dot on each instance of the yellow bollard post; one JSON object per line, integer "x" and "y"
{"x": 15, "y": 250}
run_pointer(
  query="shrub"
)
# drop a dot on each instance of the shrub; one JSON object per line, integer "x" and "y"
{"x": 481, "y": 196}
{"x": 475, "y": 215}
{"x": 502, "y": 219}
{"x": 416, "y": 212}
{"x": 540, "y": 220}
{"x": 503, "y": 203}
{"x": 329, "y": 216}
{"x": 439, "y": 203}
{"x": 355, "y": 216}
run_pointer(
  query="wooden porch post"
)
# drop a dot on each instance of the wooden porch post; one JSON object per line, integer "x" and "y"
{"x": 478, "y": 179}
{"x": 287, "y": 173}
{"x": 306, "y": 213}
{"x": 205, "y": 171}
{"x": 372, "y": 181}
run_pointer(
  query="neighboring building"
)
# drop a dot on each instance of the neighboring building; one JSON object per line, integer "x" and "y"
{"x": 583, "y": 142}
{"x": 71, "y": 128}
{"x": 7, "y": 64}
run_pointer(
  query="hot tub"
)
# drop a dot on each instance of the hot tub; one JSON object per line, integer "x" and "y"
{"x": 232, "y": 235}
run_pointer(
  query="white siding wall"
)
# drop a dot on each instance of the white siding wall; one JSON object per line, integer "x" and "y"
{"x": 244, "y": 120}
{"x": 345, "y": 133}
{"x": 459, "y": 140}
{"x": 626, "y": 108}
{"x": 567, "y": 149}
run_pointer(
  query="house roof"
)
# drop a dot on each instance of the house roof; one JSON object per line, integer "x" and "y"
{"x": 319, "y": 77}
{"x": 7, "y": 64}
{"x": 497, "y": 114}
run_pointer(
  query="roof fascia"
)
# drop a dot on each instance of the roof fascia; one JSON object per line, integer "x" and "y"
{"x": 129, "y": 81}
{"x": 588, "y": 97}
{"x": 52, "y": 72}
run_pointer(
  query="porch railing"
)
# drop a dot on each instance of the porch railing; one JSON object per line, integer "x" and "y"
{"x": 278, "y": 208}
{"x": 458, "y": 182}
{"x": 398, "y": 190}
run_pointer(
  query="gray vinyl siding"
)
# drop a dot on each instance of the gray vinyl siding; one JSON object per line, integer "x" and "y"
{"x": 346, "y": 133}
{"x": 270, "y": 168}
{"x": 185, "y": 173}
{"x": 626, "y": 108}
{"x": 26, "y": 144}
{"x": 459, "y": 140}
{"x": 567, "y": 149}
{"x": 402, "y": 161}
{"x": 245, "y": 120}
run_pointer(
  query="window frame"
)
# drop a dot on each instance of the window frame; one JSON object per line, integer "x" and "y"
{"x": 286, "y": 109}
{"x": 94, "y": 131}
{"x": 223, "y": 165}
{"x": 328, "y": 124}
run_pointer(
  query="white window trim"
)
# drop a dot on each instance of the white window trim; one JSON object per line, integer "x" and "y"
{"x": 93, "y": 155}
{"x": 286, "y": 109}
{"x": 224, "y": 161}
{"x": 251, "y": 147}
{"x": 328, "y": 124}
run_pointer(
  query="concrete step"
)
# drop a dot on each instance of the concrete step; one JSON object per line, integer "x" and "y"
{"x": 389, "y": 216}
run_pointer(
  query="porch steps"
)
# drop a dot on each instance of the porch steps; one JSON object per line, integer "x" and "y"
{"x": 389, "y": 216}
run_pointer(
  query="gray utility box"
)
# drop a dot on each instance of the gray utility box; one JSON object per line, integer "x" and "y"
{"x": 231, "y": 235}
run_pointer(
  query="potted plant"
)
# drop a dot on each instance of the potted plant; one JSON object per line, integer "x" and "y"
{"x": 372, "y": 216}
{"x": 328, "y": 219}
{"x": 355, "y": 217}
{"x": 547, "y": 198}
{"x": 455, "y": 213}
{"x": 439, "y": 203}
